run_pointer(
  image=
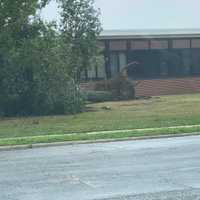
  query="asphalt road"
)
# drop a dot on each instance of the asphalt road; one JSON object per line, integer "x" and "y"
{"x": 160, "y": 169}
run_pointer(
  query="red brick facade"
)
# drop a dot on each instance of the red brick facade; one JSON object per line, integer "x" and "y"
{"x": 158, "y": 87}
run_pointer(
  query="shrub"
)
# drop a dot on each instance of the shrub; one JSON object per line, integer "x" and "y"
{"x": 52, "y": 93}
{"x": 98, "y": 96}
{"x": 120, "y": 87}
{"x": 67, "y": 99}
{"x": 103, "y": 85}
{"x": 62, "y": 96}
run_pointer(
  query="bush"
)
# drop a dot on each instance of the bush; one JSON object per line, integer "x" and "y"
{"x": 103, "y": 85}
{"x": 65, "y": 98}
{"x": 35, "y": 78}
{"x": 47, "y": 94}
{"x": 99, "y": 96}
{"x": 120, "y": 87}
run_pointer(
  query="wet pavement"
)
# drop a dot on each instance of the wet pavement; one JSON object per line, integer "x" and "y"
{"x": 159, "y": 169}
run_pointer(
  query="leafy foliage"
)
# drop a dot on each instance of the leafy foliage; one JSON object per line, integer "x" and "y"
{"x": 99, "y": 96}
{"x": 36, "y": 63}
{"x": 120, "y": 87}
{"x": 80, "y": 28}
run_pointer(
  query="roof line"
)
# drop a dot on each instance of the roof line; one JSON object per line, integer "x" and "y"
{"x": 149, "y": 33}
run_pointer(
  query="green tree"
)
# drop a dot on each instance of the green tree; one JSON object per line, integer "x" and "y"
{"x": 17, "y": 26}
{"x": 33, "y": 74}
{"x": 80, "y": 27}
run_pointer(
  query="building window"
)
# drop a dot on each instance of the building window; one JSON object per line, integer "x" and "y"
{"x": 101, "y": 68}
{"x": 117, "y": 62}
{"x": 91, "y": 73}
{"x": 122, "y": 61}
{"x": 118, "y": 45}
{"x": 181, "y": 44}
{"x": 114, "y": 68}
{"x": 179, "y": 62}
{"x": 196, "y": 43}
{"x": 140, "y": 45}
{"x": 164, "y": 69}
{"x": 195, "y": 61}
{"x": 159, "y": 44}
{"x": 186, "y": 61}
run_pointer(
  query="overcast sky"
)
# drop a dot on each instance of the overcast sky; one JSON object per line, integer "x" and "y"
{"x": 143, "y": 14}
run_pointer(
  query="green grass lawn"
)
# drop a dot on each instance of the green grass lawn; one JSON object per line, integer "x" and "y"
{"x": 162, "y": 111}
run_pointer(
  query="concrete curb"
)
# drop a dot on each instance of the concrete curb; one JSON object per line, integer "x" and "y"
{"x": 56, "y": 144}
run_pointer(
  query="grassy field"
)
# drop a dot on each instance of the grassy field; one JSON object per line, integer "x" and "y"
{"x": 157, "y": 112}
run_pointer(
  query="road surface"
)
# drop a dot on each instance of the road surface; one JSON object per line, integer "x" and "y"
{"x": 159, "y": 169}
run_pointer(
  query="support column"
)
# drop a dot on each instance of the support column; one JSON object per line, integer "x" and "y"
{"x": 107, "y": 59}
{"x": 128, "y": 51}
{"x": 191, "y": 63}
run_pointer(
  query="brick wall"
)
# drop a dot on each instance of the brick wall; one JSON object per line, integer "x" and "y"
{"x": 158, "y": 87}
